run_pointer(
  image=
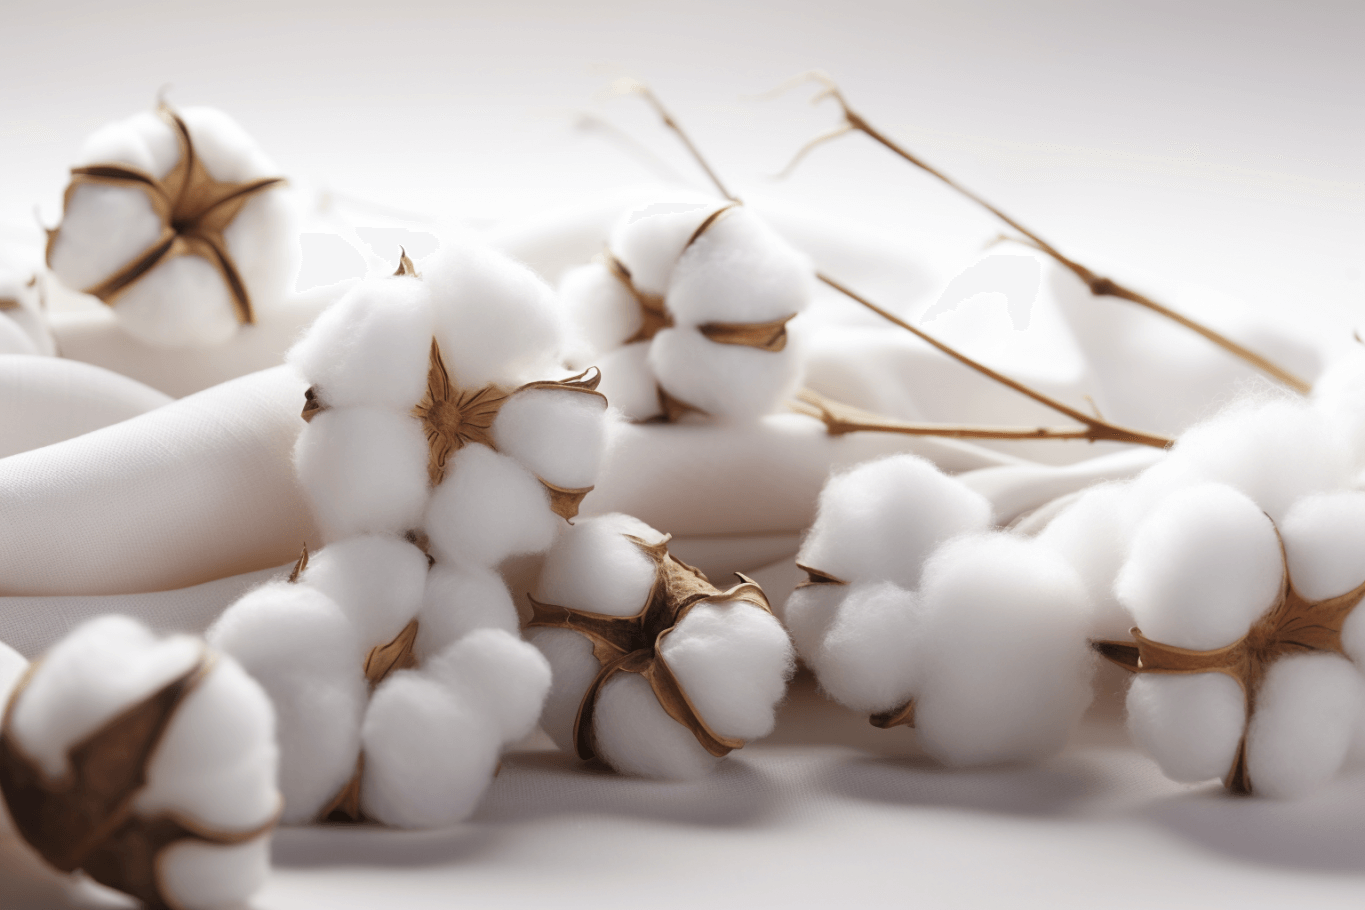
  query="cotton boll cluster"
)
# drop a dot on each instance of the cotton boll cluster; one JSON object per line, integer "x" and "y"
{"x": 918, "y": 614}
{"x": 23, "y": 328}
{"x": 688, "y": 311}
{"x": 147, "y": 762}
{"x": 656, "y": 671}
{"x": 396, "y": 687}
{"x": 178, "y": 221}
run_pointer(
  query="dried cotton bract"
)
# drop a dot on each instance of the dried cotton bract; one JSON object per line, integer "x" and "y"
{"x": 175, "y": 220}
{"x": 656, "y": 672}
{"x": 919, "y": 615}
{"x": 688, "y": 311}
{"x": 147, "y": 763}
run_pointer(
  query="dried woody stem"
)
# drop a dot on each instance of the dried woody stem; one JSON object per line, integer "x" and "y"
{"x": 839, "y": 418}
{"x": 1099, "y": 285}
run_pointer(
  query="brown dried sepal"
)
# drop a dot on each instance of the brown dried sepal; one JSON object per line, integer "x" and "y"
{"x": 85, "y": 819}
{"x": 817, "y": 577}
{"x": 904, "y": 716}
{"x": 1292, "y": 625}
{"x": 194, "y": 209}
{"x": 632, "y": 644}
{"x": 764, "y": 336}
{"x": 8, "y": 303}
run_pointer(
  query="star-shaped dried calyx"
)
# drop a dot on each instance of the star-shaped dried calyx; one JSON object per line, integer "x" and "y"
{"x": 86, "y": 819}
{"x": 632, "y": 644}
{"x": 1292, "y": 625}
{"x": 194, "y": 208}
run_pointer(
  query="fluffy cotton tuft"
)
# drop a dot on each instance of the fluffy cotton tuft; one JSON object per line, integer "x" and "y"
{"x": 1324, "y": 539}
{"x": 1305, "y": 711}
{"x": 558, "y": 435}
{"x": 869, "y": 658}
{"x": 458, "y": 600}
{"x": 1190, "y": 725}
{"x": 595, "y": 566}
{"x": 378, "y": 582}
{"x": 501, "y": 674}
{"x": 636, "y": 736}
{"x": 1092, "y": 535}
{"x": 487, "y": 509}
{"x": 725, "y": 380}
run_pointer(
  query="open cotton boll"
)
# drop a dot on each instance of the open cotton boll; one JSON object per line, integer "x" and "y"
{"x": 733, "y": 660}
{"x": 883, "y": 518}
{"x": 1306, "y": 709}
{"x": 628, "y": 382}
{"x": 649, "y": 239}
{"x": 558, "y": 435}
{"x": 725, "y": 380}
{"x": 739, "y": 270}
{"x": 869, "y": 658}
{"x": 1191, "y": 725}
{"x": 599, "y": 306}
{"x": 501, "y": 674}
{"x": 1324, "y": 543}
{"x": 378, "y": 582}
{"x": 371, "y": 347}
{"x": 1202, "y": 567}
{"x": 594, "y": 566}
{"x": 487, "y": 509}
{"x": 808, "y": 614}
{"x": 496, "y": 321}
{"x": 572, "y": 669}
{"x": 636, "y": 736}
{"x": 1092, "y": 535}
{"x": 460, "y": 599}
{"x": 429, "y": 753}
{"x": 1007, "y": 665}
{"x": 364, "y": 470}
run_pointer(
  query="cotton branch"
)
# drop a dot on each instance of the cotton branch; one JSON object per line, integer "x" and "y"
{"x": 1099, "y": 285}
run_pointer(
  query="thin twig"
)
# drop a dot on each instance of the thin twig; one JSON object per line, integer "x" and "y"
{"x": 633, "y": 86}
{"x": 1099, "y": 285}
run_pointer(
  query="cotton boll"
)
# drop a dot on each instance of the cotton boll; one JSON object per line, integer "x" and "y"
{"x": 458, "y": 600}
{"x": 594, "y": 566}
{"x": 556, "y": 434}
{"x": 739, "y": 270}
{"x": 1301, "y": 728}
{"x": 496, "y": 321}
{"x": 202, "y": 313}
{"x": 649, "y": 240}
{"x": 1191, "y": 725}
{"x": 101, "y": 668}
{"x": 599, "y": 306}
{"x": 1007, "y": 667}
{"x": 869, "y": 658}
{"x": 487, "y": 509}
{"x": 1202, "y": 567}
{"x": 372, "y": 347}
{"x": 1092, "y": 536}
{"x": 1324, "y": 542}
{"x": 808, "y": 614}
{"x": 499, "y": 673}
{"x": 733, "y": 660}
{"x": 636, "y": 736}
{"x": 628, "y": 382}
{"x": 725, "y": 380}
{"x": 364, "y": 470}
{"x": 200, "y": 876}
{"x": 882, "y": 519}
{"x": 103, "y": 228}
{"x": 378, "y": 582}
{"x": 572, "y": 669}
{"x": 429, "y": 754}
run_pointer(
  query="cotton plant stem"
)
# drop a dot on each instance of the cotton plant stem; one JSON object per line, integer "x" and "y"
{"x": 1099, "y": 285}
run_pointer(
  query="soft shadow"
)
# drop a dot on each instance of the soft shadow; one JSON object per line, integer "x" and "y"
{"x": 375, "y": 845}
{"x": 27, "y": 883}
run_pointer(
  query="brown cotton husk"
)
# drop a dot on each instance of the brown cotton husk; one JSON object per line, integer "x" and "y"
{"x": 632, "y": 644}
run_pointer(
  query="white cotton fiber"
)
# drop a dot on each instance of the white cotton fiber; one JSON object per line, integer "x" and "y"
{"x": 104, "y": 227}
{"x": 496, "y": 322}
{"x": 12, "y": 667}
{"x": 458, "y": 600}
{"x": 636, "y": 736}
{"x": 203, "y": 314}
{"x": 1007, "y": 665}
{"x": 628, "y": 382}
{"x": 429, "y": 753}
{"x": 1202, "y": 567}
{"x": 599, "y": 306}
{"x": 502, "y": 675}
{"x": 869, "y": 659}
{"x": 1302, "y": 726}
{"x": 1324, "y": 542}
{"x": 593, "y": 566}
{"x": 304, "y": 652}
{"x": 649, "y": 240}
{"x": 1339, "y": 393}
{"x": 1190, "y": 725}
{"x": 882, "y": 519}
{"x": 487, "y": 509}
{"x": 1092, "y": 535}
{"x": 372, "y": 347}
{"x": 572, "y": 669}
{"x": 733, "y": 660}
{"x": 557, "y": 435}
{"x": 808, "y": 614}
{"x": 377, "y": 581}
{"x": 101, "y": 668}
{"x": 739, "y": 270}
{"x": 200, "y": 876}
{"x": 725, "y": 380}
{"x": 364, "y": 471}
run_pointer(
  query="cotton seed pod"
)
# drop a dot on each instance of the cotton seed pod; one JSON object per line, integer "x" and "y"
{"x": 397, "y": 685}
{"x": 1244, "y": 638}
{"x": 23, "y": 328}
{"x": 432, "y": 411}
{"x": 148, "y": 763}
{"x": 693, "y": 299}
{"x": 656, "y": 671}
{"x": 177, "y": 221}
